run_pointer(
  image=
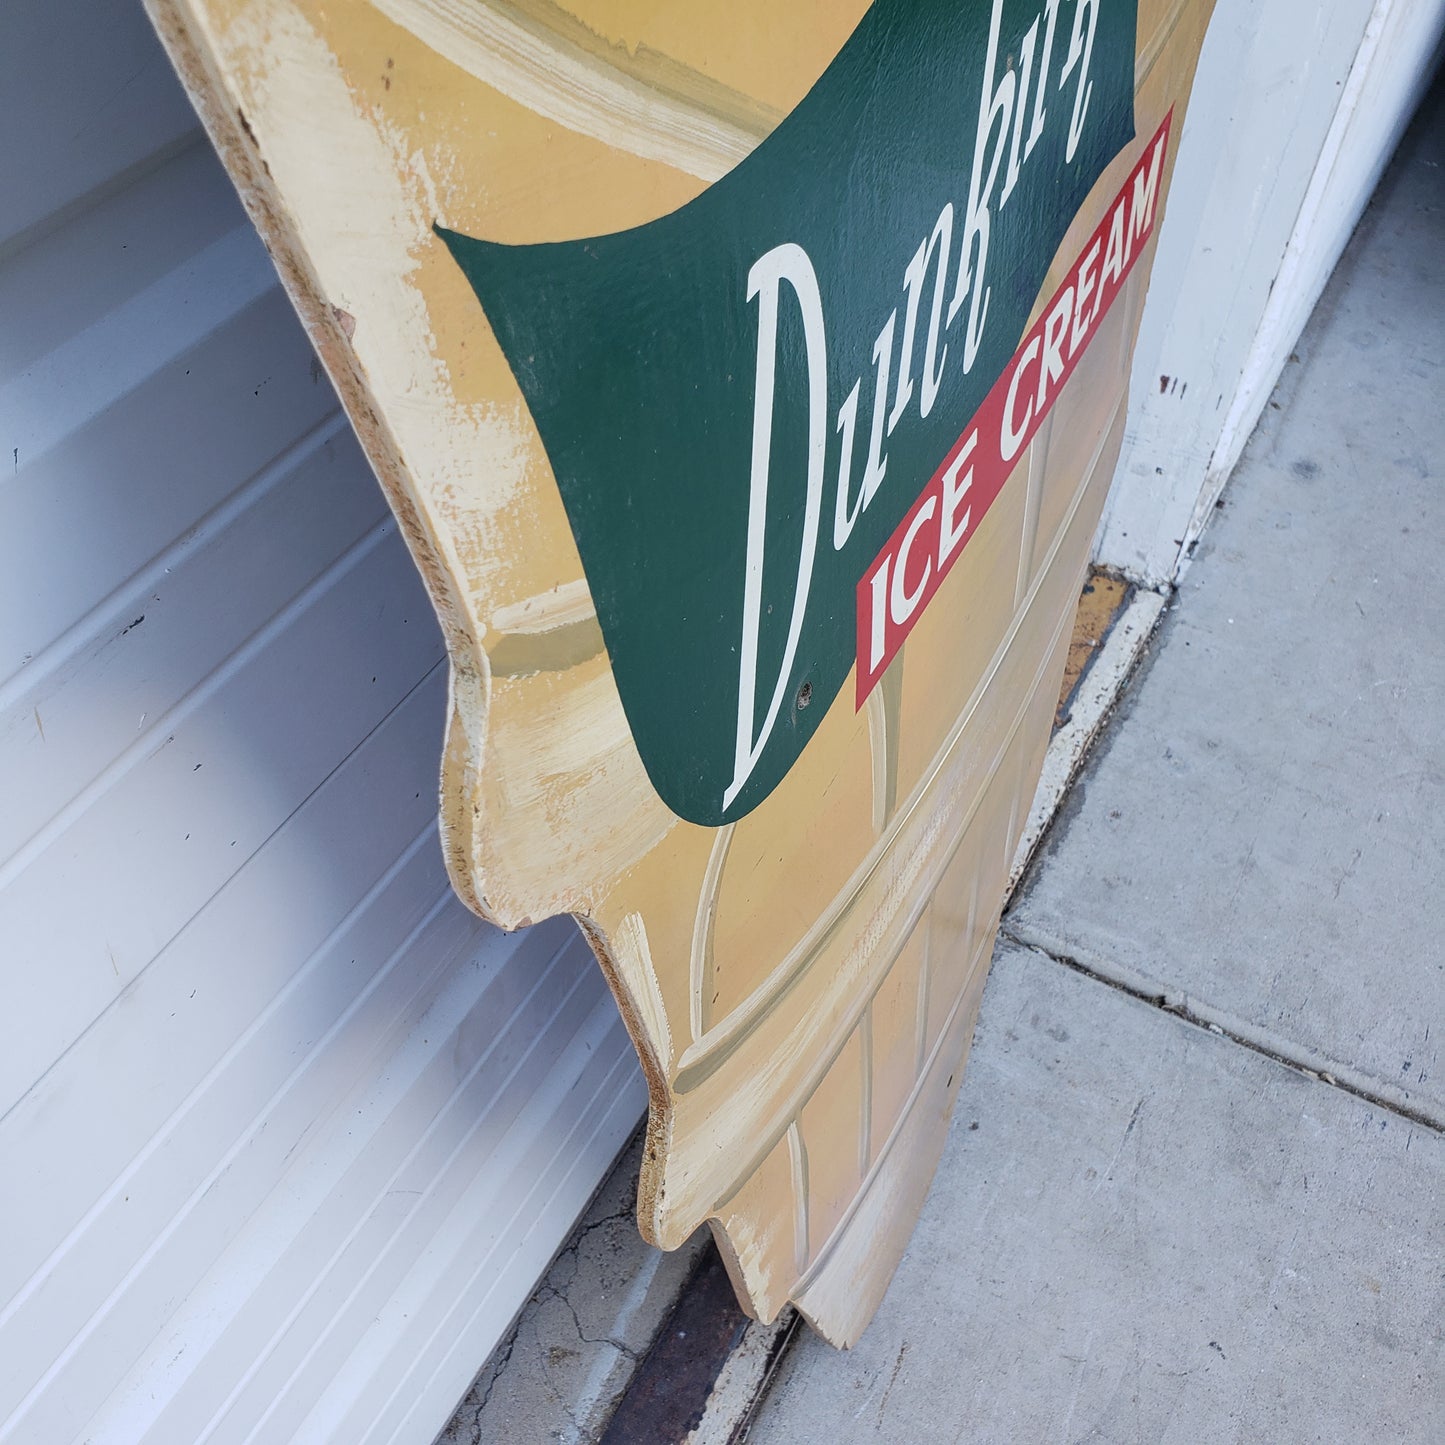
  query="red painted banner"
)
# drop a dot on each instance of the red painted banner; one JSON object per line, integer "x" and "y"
{"x": 902, "y": 579}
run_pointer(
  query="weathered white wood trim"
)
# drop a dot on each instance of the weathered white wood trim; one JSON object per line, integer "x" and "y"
{"x": 1252, "y": 151}
{"x": 1398, "y": 55}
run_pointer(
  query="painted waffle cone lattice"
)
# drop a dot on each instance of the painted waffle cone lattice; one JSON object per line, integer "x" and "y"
{"x": 747, "y": 381}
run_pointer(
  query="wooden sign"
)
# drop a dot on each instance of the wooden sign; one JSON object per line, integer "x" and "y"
{"x": 747, "y": 379}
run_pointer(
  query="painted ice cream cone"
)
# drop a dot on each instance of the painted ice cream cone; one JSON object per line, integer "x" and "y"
{"x": 747, "y": 380}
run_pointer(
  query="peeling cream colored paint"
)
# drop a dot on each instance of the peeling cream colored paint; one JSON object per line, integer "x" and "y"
{"x": 700, "y": 962}
{"x": 599, "y": 807}
{"x": 565, "y": 605}
{"x": 573, "y": 88}
{"x": 552, "y": 632}
{"x": 367, "y": 191}
{"x": 861, "y": 897}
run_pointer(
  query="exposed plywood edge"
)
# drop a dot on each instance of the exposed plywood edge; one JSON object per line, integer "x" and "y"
{"x": 331, "y": 329}
{"x": 1092, "y": 704}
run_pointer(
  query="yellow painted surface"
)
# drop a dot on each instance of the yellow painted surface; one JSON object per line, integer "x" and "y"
{"x": 1100, "y": 604}
{"x": 801, "y": 985}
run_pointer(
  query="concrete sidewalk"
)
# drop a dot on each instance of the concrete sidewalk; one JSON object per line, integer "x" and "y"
{"x": 1195, "y": 1189}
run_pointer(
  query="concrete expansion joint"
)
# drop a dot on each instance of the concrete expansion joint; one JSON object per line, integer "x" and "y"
{"x": 1204, "y": 1016}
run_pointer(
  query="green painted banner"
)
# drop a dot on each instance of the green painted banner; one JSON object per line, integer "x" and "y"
{"x": 742, "y": 399}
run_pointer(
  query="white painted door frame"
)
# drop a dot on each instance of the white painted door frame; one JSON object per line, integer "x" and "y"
{"x": 1296, "y": 112}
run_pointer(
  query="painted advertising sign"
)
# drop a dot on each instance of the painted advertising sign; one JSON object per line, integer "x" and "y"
{"x": 747, "y": 385}
{"x": 725, "y": 379}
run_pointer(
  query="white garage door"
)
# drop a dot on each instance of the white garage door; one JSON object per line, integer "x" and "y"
{"x": 285, "y": 1134}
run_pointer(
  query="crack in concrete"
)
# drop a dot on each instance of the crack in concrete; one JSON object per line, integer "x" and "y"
{"x": 501, "y": 1358}
{"x": 547, "y": 1291}
{"x": 1201, "y": 1016}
